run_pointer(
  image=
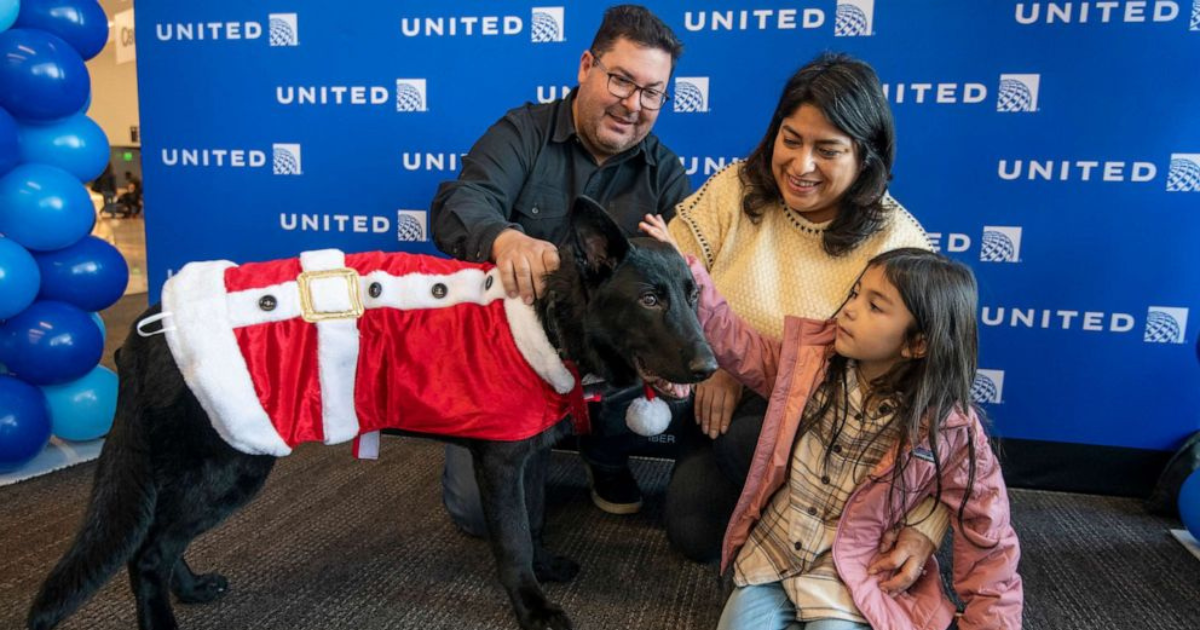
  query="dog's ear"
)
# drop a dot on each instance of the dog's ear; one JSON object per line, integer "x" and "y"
{"x": 598, "y": 239}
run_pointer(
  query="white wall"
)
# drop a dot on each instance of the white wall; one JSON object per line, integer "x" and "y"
{"x": 114, "y": 87}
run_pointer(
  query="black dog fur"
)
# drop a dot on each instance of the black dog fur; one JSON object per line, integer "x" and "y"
{"x": 165, "y": 476}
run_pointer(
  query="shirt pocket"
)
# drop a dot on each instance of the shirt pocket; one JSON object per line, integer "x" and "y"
{"x": 542, "y": 211}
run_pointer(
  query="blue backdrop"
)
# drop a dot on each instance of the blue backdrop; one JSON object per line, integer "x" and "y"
{"x": 1054, "y": 146}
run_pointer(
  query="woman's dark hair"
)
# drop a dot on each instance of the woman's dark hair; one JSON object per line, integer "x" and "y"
{"x": 922, "y": 391}
{"x": 638, "y": 25}
{"x": 848, "y": 94}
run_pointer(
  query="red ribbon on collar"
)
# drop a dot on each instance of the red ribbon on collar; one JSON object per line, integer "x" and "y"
{"x": 577, "y": 402}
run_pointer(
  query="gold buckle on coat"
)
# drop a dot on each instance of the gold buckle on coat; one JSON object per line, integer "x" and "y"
{"x": 310, "y": 314}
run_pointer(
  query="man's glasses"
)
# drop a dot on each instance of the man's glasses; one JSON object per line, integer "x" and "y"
{"x": 622, "y": 88}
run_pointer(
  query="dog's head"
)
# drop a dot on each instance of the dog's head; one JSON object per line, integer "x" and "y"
{"x": 627, "y": 307}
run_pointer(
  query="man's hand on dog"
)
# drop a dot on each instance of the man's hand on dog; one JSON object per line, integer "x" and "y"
{"x": 524, "y": 262}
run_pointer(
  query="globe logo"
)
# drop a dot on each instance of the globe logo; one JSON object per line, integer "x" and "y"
{"x": 1162, "y": 328}
{"x": 997, "y": 247}
{"x": 984, "y": 390}
{"x": 409, "y": 97}
{"x": 689, "y": 97}
{"x": 1183, "y": 175}
{"x": 850, "y": 21}
{"x": 282, "y": 30}
{"x": 545, "y": 28}
{"x": 1014, "y": 96}
{"x": 286, "y": 160}
{"x": 409, "y": 228}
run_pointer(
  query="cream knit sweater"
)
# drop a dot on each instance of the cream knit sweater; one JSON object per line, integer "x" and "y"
{"x": 777, "y": 267}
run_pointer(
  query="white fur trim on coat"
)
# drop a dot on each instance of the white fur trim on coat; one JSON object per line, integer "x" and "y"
{"x": 207, "y": 353}
{"x": 535, "y": 346}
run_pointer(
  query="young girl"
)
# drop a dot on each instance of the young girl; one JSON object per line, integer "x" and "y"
{"x": 870, "y": 413}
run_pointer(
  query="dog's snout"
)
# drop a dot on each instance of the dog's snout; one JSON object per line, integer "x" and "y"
{"x": 702, "y": 367}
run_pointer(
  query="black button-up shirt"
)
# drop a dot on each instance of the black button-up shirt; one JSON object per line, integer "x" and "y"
{"x": 527, "y": 170}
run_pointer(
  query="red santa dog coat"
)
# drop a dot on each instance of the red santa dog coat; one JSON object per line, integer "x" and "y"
{"x": 330, "y": 346}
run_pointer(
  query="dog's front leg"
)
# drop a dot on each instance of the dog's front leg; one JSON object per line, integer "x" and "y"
{"x": 500, "y": 471}
{"x": 546, "y": 566}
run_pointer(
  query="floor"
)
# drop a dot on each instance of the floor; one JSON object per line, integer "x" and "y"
{"x": 128, "y": 235}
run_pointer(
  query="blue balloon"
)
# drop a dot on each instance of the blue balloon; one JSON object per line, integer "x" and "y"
{"x": 1189, "y": 504}
{"x": 8, "y": 13}
{"x": 44, "y": 207}
{"x": 81, "y": 23}
{"x": 41, "y": 76}
{"x": 50, "y": 343}
{"x": 84, "y": 408}
{"x": 90, "y": 274}
{"x": 24, "y": 423}
{"x": 100, "y": 323}
{"x": 10, "y": 144}
{"x": 19, "y": 278}
{"x": 75, "y": 144}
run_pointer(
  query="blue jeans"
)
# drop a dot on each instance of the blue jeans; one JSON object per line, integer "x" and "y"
{"x": 767, "y": 607}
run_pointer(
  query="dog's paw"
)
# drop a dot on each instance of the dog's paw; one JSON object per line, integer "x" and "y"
{"x": 547, "y": 617}
{"x": 203, "y": 589}
{"x": 556, "y": 569}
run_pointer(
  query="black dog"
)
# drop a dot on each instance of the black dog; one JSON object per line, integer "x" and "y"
{"x": 621, "y": 309}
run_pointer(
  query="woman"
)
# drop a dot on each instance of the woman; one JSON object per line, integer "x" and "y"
{"x": 786, "y": 233}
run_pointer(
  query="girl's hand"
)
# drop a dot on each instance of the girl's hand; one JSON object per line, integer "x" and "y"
{"x": 902, "y": 557}
{"x": 716, "y": 399}
{"x": 653, "y": 225}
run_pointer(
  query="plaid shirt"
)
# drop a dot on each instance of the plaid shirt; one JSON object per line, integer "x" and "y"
{"x": 792, "y": 542}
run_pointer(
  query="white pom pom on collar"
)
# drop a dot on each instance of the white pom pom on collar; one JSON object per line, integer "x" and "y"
{"x": 649, "y": 415}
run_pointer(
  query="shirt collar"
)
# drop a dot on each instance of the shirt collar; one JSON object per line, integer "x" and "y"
{"x": 564, "y": 131}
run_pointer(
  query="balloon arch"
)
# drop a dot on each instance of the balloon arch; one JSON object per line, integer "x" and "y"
{"x": 54, "y": 276}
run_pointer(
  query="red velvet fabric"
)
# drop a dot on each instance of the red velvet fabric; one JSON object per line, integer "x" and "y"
{"x": 452, "y": 371}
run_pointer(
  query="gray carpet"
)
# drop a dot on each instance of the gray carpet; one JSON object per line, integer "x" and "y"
{"x": 336, "y": 543}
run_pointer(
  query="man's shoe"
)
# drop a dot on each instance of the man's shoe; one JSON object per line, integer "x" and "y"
{"x": 614, "y": 490}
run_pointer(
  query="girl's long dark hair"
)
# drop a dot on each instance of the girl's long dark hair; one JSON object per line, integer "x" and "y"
{"x": 849, "y": 95}
{"x": 922, "y": 392}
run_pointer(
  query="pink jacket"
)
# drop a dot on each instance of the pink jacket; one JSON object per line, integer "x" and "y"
{"x": 787, "y": 372}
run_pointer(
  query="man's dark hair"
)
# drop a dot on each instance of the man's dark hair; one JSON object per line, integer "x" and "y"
{"x": 638, "y": 25}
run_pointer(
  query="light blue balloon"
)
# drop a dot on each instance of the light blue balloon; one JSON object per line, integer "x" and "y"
{"x": 8, "y": 13}
{"x": 17, "y": 278}
{"x": 83, "y": 409}
{"x": 44, "y": 208}
{"x": 75, "y": 144}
